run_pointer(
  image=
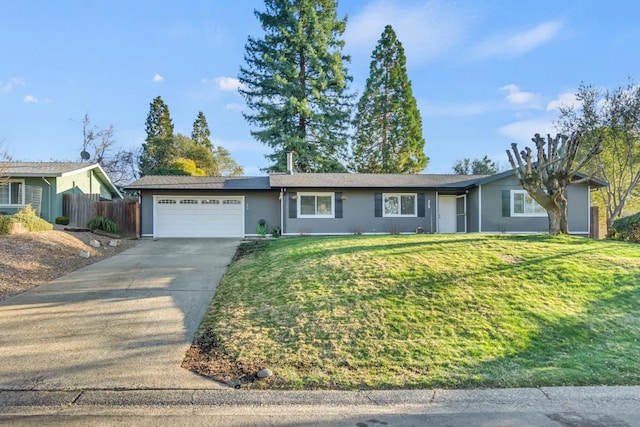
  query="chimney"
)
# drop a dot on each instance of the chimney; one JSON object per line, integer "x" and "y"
{"x": 290, "y": 162}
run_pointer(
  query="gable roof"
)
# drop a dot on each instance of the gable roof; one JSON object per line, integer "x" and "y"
{"x": 54, "y": 170}
{"x": 594, "y": 182}
{"x": 178, "y": 182}
{"x": 370, "y": 180}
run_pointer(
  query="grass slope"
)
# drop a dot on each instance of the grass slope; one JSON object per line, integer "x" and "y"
{"x": 434, "y": 311}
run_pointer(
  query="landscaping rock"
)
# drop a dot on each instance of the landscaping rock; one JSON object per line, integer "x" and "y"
{"x": 94, "y": 243}
{"x": 264, "y": 373}
{"x": 114, "y": 243}
{"x": 85, "y": 254}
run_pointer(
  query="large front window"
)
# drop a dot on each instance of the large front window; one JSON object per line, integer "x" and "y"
{"x": 399, "y": 204}
{"x": 523, "y": 205}
{"x": 315, "y": 205}
{"x": 12, "y": 193}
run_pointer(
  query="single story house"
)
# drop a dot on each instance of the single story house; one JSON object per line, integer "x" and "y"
{"x": 343, "y": 203}
{"x": 42, "y": 185}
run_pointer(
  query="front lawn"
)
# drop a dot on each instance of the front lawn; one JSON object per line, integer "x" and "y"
{"x": 421, "y": 311}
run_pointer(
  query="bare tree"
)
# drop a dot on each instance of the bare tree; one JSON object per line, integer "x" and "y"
{"x": 547, "y": 173}
{"x": 613, "y": 116}
{"x": 4, "y": 158}
{"x": 100, "y": 141}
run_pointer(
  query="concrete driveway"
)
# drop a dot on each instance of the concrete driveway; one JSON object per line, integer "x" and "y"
{"x": 122, "y": 323}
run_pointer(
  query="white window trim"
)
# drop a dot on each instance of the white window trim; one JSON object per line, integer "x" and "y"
{"x": 415, "y": 205}
{"x": 316, "y": 195}
{"x": 517, "y": 214}
{"x": 24, "y": 195}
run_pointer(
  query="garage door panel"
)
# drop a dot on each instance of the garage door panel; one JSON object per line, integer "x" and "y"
{"x": 188, "y": 216}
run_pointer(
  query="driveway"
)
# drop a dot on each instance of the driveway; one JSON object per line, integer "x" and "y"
{"x": 122, "y": 323}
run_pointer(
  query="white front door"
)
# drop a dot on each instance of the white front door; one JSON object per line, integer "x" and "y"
{"x": 446, "y": 214}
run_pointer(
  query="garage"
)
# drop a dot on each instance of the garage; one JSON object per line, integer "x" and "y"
{"x": 198, "y": 216}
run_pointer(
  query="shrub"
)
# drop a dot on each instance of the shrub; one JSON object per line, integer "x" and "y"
{"x": 63, "y": 220}
{"x": 627, "y": 228}
{"x": 102, "y": 223}
{"x": 26, "y": 218}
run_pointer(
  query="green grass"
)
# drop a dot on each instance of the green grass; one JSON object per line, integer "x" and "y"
{"x": 420, "y": 311}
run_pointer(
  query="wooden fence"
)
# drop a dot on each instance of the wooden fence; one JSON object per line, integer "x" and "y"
{"x": 80, "y": 208}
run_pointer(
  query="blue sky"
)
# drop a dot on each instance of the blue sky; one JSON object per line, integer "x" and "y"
{"x": 485, "y": 73}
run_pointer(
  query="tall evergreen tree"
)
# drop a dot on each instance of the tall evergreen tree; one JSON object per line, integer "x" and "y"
{"x": 388, "y": 128}
{"x": 158, "y": 150}
{"x": 296, "y": 83}
{"x": 201, "y": 133}
{"x": 159, "y": 121}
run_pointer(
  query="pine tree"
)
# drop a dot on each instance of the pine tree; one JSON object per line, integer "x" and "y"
{"x": 388, "y": 128}
{"x": 296, "y": 83}
{"x": 158, "y": 120}
{"x": 158, "y": 151}
{"x": 201, "y": 133}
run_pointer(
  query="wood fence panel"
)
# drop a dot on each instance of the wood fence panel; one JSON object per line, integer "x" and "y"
{"x": 80, "y": 208}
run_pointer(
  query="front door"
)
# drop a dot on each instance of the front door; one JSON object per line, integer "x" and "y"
{"x": 446, "y": 214}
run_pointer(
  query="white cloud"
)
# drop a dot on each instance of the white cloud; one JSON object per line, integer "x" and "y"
{"x": 30, "y": 99}
{"x": 226, "y": 84}
{"x": 425, "y": 29}
{"x": 517, "y": 43}
{"x": 520, "y": 98}
{"x": 234, "y": 107}
{"x": 8, "y": 86}
{"x": 157, "y": 78}
{"x": 522, "y": 131}
{"x": 567, "y": 99}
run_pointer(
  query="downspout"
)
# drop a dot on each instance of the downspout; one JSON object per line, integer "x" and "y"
{"x": 281, "y": 212}
{"x": 49, "y": 184}
{"x": 479, "y": 208}
{"x": 437, "y": 214}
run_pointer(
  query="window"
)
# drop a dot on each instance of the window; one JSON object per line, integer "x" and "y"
{"x": 399, "y": 204}
{"x": 315, "y": 205}
{"x": 12, "y": 193}
{"x": 523, "y": 205}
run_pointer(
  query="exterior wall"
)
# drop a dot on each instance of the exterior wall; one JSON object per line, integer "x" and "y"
{"x": 257, "y": 204}
{"x": 493, "y": 220}
{"x": 358, "y": 215}
{"x": 472, "y": 211}
{"x": 47, "y": 209}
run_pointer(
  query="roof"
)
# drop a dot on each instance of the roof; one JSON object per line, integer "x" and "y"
{"x": 54, "y": 170}
{"x": 322, "y": 180}
{"x": 177, "y": 182}
{"x": 370, "y": 180}
{"x": 39, "y": 169}
{"x": 594, "y": 182}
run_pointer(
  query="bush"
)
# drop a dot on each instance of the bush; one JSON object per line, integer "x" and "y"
{"x": 27, "y": 219}
{"x": 63, "y": 220}
{"x": 627, "y": 228}
{"x": 102, "y": 223}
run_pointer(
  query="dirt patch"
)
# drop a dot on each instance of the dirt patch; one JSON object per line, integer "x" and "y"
{"x": 33, "y": 259}
{"x": 207, "y": 358}
{"x": 249, "y": 248}
{"x": 511, "y": 259}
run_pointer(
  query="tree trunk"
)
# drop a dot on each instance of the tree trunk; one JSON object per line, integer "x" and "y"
{"x": 558, "y": 215}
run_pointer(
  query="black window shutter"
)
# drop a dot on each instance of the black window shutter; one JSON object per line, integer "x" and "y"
{"x": 421, "y": 207}
{"x": 293, "y": 206}
{"x": 506, "y": 203}
{"x": 338, "y": 207}
{"x": 377, "y": 198}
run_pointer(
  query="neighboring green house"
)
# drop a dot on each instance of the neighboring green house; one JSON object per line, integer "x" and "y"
{"x": 42, "y": 185}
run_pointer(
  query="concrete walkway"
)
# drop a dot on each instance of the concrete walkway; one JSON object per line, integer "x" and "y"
{"x": 121, "y": 323}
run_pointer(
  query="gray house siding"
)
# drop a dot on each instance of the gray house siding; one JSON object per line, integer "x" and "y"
{"x": 358, "y": 214}
{"x": 495, "y": 219}
{"x": 257, "y": 205}
{"x": 472, "y": 211}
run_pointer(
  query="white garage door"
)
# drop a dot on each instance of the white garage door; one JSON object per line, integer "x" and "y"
{"x": 189, "y": 216}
